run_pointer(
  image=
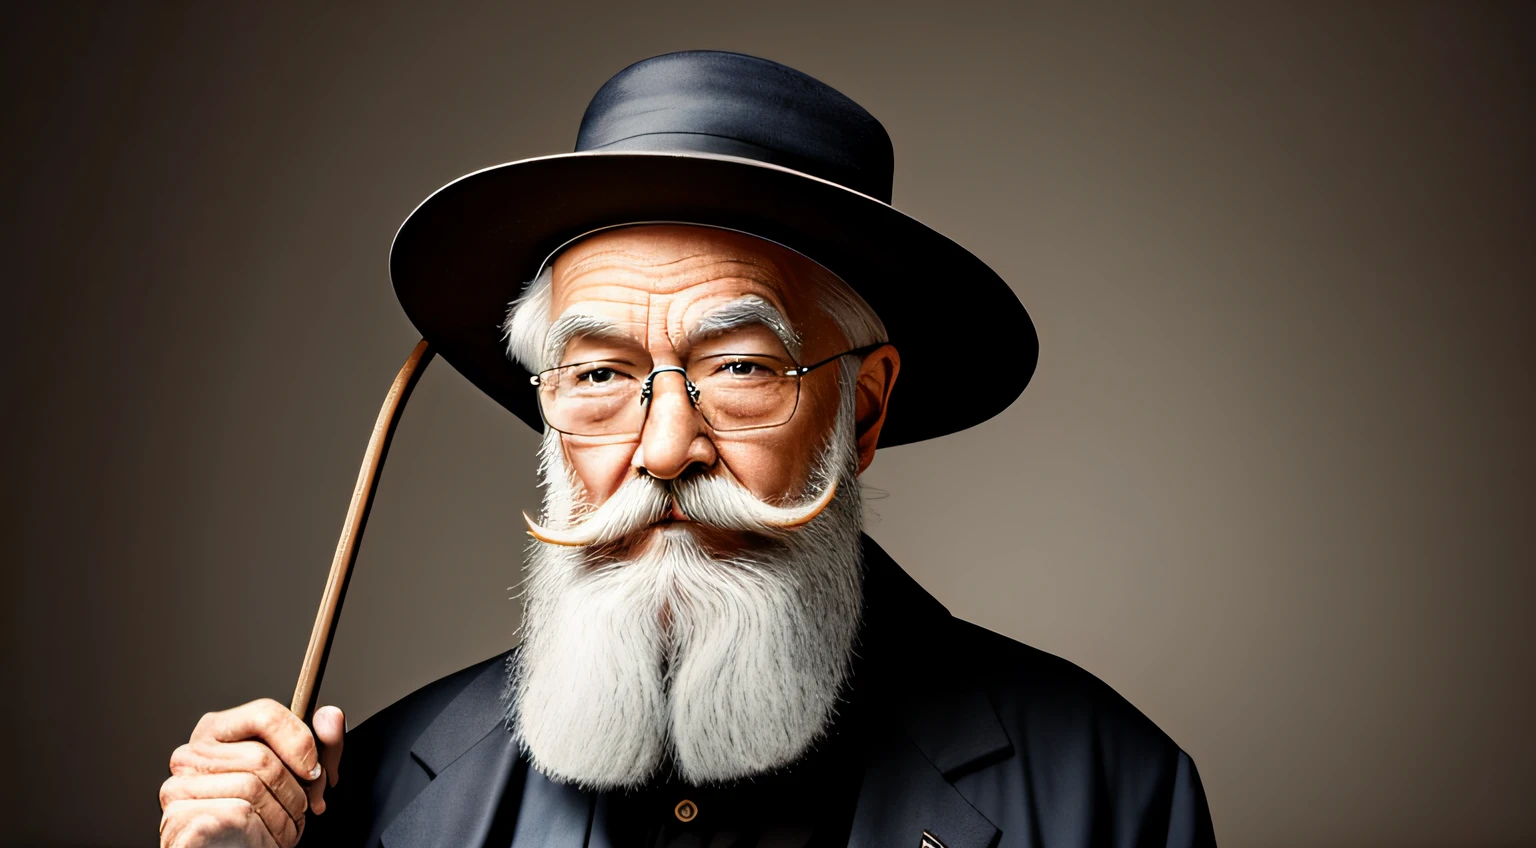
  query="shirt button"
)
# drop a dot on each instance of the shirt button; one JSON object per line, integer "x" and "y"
{"x": 685, "y": 810}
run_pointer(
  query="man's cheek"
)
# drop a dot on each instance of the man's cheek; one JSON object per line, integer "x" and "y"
{"x": 600, "y": 469}
{"x": 772, "y": 472}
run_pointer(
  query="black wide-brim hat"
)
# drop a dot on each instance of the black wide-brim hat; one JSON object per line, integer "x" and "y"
{"x": 721, "y": 140}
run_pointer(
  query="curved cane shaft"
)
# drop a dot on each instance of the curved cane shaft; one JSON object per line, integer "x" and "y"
{"x": 352, "y": 531}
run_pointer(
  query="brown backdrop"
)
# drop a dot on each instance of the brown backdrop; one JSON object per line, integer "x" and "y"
{"x": 1273, "y": 481}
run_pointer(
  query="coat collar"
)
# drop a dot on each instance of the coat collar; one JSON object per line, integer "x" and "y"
{"x": 938, "y": 728}
{"x": 942, "y": 726}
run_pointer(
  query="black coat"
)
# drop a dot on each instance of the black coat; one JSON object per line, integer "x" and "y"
{"x": 984, "y": 742}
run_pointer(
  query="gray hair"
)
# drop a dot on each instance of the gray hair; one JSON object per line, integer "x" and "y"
{"x": 526, "y": 330}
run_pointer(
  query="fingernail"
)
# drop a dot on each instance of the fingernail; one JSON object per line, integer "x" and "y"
{"x": 314, "y": 772}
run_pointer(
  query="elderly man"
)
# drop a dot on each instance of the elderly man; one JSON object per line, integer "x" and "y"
{"x": 712, "y": 652}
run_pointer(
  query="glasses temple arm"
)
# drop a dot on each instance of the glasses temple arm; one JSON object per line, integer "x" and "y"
{"x": 861, "y": 351}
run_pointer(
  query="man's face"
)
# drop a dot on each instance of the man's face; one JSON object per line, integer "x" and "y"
{"x": 656, "y": 286}
{"x": 698, "y": 600}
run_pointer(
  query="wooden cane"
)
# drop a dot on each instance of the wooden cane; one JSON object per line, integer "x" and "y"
{"x": 352, "y": 531}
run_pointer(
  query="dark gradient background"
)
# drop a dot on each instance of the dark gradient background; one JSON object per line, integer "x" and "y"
{"x": 1273, "y": 481}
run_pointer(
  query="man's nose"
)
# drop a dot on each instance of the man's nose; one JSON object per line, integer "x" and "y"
{"x": 674, "y": 436}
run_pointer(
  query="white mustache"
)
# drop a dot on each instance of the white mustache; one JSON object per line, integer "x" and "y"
{"x": 720, "y": 501}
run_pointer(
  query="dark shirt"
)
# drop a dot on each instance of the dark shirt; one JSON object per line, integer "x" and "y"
{"x": 810, "y": 806}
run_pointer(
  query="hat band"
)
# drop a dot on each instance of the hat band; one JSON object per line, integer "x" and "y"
{"x": 857, "y": 179}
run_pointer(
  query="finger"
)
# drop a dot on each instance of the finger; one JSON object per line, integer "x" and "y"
{"x": 202, "y": 822}
{"x": 242, "y": 786}
{"x": 330, "y": 729}
{"x": 205, "y": 823}
{"x": 314, "y": 792}
{"x": 270, "y": 722}
{"x": 199, "y": 758}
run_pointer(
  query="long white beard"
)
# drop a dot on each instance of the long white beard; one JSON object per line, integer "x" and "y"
{"x": 726, "y": 667}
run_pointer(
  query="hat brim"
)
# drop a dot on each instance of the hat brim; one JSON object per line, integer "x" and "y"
{"x": 967, "y": 345}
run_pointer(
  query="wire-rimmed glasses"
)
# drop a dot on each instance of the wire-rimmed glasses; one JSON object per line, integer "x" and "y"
{"x": 732, "y": 391}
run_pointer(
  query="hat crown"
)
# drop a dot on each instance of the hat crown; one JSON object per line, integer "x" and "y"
{"x": 709, "y": 101}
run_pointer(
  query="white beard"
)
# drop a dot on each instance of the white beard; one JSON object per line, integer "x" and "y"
{"x": 724, "y": 667}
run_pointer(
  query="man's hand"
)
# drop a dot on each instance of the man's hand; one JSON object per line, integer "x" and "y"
{"x": 247, "y": 775}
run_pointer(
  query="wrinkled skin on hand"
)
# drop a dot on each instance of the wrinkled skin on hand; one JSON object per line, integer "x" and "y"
{"x": 247, "y": 776}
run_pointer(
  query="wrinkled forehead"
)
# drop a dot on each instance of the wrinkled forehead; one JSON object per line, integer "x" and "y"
{"x": 676, "y": 276}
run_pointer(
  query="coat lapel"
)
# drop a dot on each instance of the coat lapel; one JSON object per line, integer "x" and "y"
{"x": 553, "y": 815}
{"x": 470, "y": 758}
{"x": 905, "y": 800}
{"x": 940, "y": 729}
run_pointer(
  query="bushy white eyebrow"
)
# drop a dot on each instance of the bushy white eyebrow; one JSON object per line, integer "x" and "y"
{"x": 573, "y": 324}
{"x": 745, "y": 311}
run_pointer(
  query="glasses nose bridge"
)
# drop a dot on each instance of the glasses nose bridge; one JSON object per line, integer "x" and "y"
{"x": 647, "y": 389}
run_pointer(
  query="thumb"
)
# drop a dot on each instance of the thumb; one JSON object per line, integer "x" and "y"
{"x": 330, "y": 725}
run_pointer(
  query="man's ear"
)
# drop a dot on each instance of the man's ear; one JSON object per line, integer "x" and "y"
{"x": 872, "y": 392}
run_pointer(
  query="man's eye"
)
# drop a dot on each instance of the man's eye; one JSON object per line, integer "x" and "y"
{"x": 743, "y": 369}
{"x": 597, "y": 375}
